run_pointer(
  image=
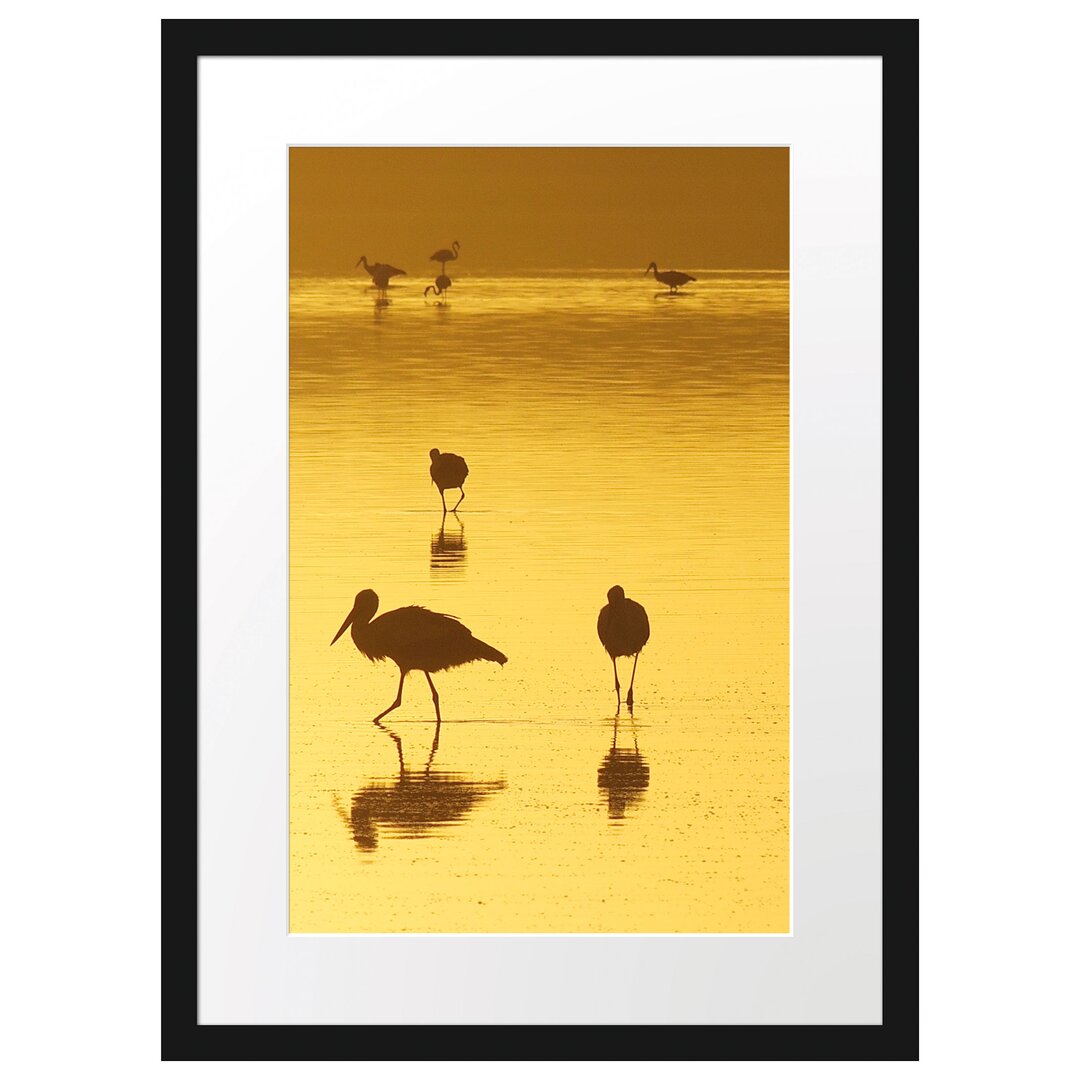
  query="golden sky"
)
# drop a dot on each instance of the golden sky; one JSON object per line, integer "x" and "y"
{"x": 539, "y": 207}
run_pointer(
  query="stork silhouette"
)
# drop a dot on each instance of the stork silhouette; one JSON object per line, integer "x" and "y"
{"x": 381, "y": 273}
{"x": 416, "y": 639}
{"x": 671, "y": 278}
{"x": 623, "y": 629}
{"x": 448, "y": 471}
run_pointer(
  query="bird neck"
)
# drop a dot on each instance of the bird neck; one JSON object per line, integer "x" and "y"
{"x": 362, "y": 619}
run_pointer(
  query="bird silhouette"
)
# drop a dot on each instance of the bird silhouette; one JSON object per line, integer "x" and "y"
{"x": 442, "y": 283}
{"x": 671, "y": 278}
{"x": 381, "y": 278}
{"x": 416, "y": 639}
{"x": 623, "y": 628}
{"x": 445, "y": 255}
{"x": 381, "y": 273}
{"x": 448, "y": 471}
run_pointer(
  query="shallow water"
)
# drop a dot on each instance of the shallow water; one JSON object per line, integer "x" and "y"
{"x": 614, "y": 435}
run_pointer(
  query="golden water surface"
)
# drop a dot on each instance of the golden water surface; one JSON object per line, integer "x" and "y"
{"x": 614, "y": 435}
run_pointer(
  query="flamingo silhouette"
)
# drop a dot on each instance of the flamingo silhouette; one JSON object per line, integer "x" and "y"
{"x": 623, "y": 628}
{"x": 442, "y": 283}
{"x": 416, "y": 639}
{"x": 445, "y": 255}
{"x": 671, "y": 278}
{"x": 448, "y": 471}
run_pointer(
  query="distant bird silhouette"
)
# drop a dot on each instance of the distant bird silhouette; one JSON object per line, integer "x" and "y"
{"x": 623, "y": 628}
{"x": 671, "y": 278}
{"x": 381, "y": 273}
{"x": 381, "y": 278}
{"x": 416, "y": 639}
{"x": 448, "y": 471}
{"x": 442, "y": 283}
{"x": 445, "y": 255}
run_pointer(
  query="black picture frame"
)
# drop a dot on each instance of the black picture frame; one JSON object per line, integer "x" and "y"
{"x": 183, "y": 42}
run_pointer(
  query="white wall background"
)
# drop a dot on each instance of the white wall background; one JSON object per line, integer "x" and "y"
{"x": 79, "y": 190}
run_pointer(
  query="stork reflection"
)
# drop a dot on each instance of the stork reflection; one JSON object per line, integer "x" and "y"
{"x": 417, "y": 803}
{"x": 623, "y": 775}
{"x": 448, "y": 547}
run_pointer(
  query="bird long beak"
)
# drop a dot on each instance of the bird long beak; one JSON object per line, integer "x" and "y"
{"x": 344, "y": 626}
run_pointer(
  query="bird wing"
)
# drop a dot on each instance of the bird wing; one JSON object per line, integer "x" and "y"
{"x": 416, "y": 625}
{"x": 644, "y": 622}
{"x": 449, "y": 470}
{"x": 418, "y": 639}
{"x": 602, "y": 622}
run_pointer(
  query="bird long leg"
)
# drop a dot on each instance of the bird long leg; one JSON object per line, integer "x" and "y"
{"x": 461, "y": 500}
{"x": 630, "y": 692}
{"x": 435, "y": 698}
{"x": 397, "y": 701}
{"x": 443, "y": 497}
{"x": 618, "y": 698}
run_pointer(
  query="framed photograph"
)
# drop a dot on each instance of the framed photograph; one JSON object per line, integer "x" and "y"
{"x": 538, "y": 459}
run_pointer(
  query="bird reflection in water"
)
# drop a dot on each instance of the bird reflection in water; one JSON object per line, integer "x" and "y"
{"x": 448, "y": 547}
{"x": 623, "y": 776}
{"x": 417, "y": 803}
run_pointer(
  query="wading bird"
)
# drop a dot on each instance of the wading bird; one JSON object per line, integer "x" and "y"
{"x": 623, "y": 628}
{"x": 381, "y": 278}
{"x": 445, "y": 255}
{"x": 671, "y": 278}
{"x": 380, "y": 273}
{"x": 448, "y": 471}
{"x": 442, "y": 283}
{"x": 416, "y": 639}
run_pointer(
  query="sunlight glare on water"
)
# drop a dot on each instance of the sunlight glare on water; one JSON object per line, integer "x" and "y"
{"x": 614, "y": 435}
